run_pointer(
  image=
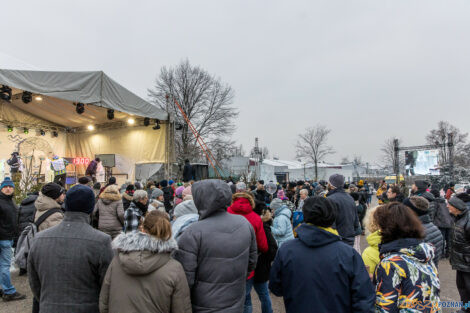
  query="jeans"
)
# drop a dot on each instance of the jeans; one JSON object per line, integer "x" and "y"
{"x": 463, "y": 286}
{"x": 5, "y": 263}
{"x": 263, "y": 295}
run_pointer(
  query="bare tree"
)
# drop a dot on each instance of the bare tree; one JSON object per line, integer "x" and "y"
{"x": 206, "y": 101}
{"x": 313, "y": 145}
{"x": 344, "y": 160}
{"x": 388, "y": 154}
{"x": 357, "y": 160}
{"x": 441, "y": 136}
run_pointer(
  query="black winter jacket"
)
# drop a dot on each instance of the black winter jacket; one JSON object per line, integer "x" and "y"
{"x": 8, "y": 216}
{"x": 347, "y": 220}
{"x": 188, "y": 172}
{"x": 168, "y": 198}
{"x": 460, "y": 243}
{"x": 442, "y": 218}
{"x": 433, "y": 236}
{"x": 263, "y": 266}
{"x": 26, "y": 212}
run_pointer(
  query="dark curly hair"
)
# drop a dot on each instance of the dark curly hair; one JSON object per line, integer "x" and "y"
{"x": 397, "y": 221}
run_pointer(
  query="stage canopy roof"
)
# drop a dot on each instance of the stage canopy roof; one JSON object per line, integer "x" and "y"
{"x": 60, "y": 91}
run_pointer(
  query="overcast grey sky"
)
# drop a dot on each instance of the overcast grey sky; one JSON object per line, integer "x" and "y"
{"x": 366, "y": 69}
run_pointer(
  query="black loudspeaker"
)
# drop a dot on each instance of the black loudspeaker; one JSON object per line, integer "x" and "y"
{"x": 107, "y": 160}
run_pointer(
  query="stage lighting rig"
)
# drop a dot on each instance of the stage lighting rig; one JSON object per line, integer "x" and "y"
{"x": 157, "y": 125}
{"x": 5, "y": 93}
{"x": 80, "y": 108}
{"x": 110, "y": 114}
{"x": 27, "y": 97}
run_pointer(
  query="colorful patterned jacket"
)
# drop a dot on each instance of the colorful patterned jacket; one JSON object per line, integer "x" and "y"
{"x": 406, "y": 278}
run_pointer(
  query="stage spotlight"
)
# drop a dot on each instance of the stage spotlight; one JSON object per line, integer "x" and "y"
{"x": 130, "y": 121}
{"x": 80, "y": 108}
{"x": 55, "y": 133}
{"x": 42, "y": 132}
{"x": 179, "y": 126}
{"x": 25, "y": 130}
{"x": 27, "y": 97}
{"x": 146, "y": 121}
{"x": 5, "y": 93}
{"x": 91, "y": 127}
{"x": 110, "y": 114}
{"x": 38, "y": 98}
{"x": 10, "y": 129}
{"x": 157, "y": 125}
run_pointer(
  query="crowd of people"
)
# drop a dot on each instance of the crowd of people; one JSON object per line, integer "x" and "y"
{"x": 204, "y": 246}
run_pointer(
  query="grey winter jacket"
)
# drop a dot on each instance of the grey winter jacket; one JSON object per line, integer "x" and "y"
{"x": 110, "y": 211}
{"x": 442, "y": 218}
{"x": 67, "y": 264}
{"x": 217, "y": 252}
{"x": 347, "y": 220}
{"x": 144, "y": 278}
{"x": 433, "y": 236}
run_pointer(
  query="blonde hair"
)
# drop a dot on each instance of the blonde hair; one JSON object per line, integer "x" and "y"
{"x": 157, "y": 224}
{"x": 369, "y": 221}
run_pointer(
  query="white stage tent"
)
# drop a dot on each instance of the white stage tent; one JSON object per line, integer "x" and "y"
{"x": 52, "y": 109}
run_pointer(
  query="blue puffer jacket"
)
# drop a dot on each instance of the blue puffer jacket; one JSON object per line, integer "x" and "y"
{"x": 282, "y": 227}
{"x": 317, "y": 272}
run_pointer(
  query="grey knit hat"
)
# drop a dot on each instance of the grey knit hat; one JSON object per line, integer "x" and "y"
{"x": 457, "y": 203}
{"x": 337, "y": 180}
{"x": 156, "y": 193}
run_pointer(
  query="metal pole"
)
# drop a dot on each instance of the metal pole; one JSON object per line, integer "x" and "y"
{"x": 396, "y": 163}
{"x": 450, "y": 143}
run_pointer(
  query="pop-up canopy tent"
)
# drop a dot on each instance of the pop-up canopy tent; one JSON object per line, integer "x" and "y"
{"x": 85, "y": 113}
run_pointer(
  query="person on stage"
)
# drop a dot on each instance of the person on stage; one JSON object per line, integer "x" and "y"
{"x": 59, "y": 165}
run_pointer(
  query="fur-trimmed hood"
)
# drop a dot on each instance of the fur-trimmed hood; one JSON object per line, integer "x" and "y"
{"x": 141, "y": 254}
{"x": 111, "y": 193}
{"x": 244, "y": 195}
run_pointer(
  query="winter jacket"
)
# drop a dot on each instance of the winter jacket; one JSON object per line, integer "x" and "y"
{"x": 92, "y": 167}
{"x": 243, "y": 205}
{"x": 261, "y": 195}
{"x": 67, "y": 265}
{"x": 460, "y": 242}
{"x": 431, "y": 199}
{"x": 110, "y": 212}
{"x": 433, "y": 236}
{"x": 317, "y": 272}
{"x": 282, "y": 227}
{"x": 43, "y": 204}
{"x": 26, "y": 212}
{"x": 442, "y": 218}
{"x": 217, "y": 252}
{"x": 156, "y": 205}
{"x": 181, "y": 223}
{"x": 8, "y": 217}
{"x": 347, "y": 220}
{"x": 370, "y": 255}
{"x": 144, "y": 278}
{"x": 406, "y": 277}
{"x": 263, "y": 266}
{"x": 126, "y": 200}
{"x": 132, "y": 218}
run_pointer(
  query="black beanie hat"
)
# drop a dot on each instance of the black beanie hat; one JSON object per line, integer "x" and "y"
{"x": 52, "y": 190}
{"x": 418, "y": 204}
{"x": 164, "y": 183}
{"x": 83, "y": 180}
{"x": 422, "y": 185}
{"x": 319, "y": 211}
{"x": 130, "y": 187}
{"x": 457, "y": 203}
{"x": 112, "y": 180}
{"x": 80, "y": 198}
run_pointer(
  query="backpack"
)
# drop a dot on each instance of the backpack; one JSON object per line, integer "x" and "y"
{"x": 26, "y": 239}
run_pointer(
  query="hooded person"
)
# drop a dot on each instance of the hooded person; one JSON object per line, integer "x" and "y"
{"x": 443, "y": 220}
{"x": 406, "y": 277}
{"x": 156, "y": 200}
{"x": 109, "y": 211}
{"x": 51, "y": 197}
{"x": 67, "y": 263}
{"x": 433, "y": 235}
{"x": 207, "y": 246}
{"x": 184, "y": 215}
{"x": 347, "y": 221}
{"x": 317, "y": 270}
{"x": 143, "y": 277}
{"x": 282, "y": 227}
{"x": 167, "y": 195}
{"x": 420, "y": 188}
{"x": 243, "y": 204}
